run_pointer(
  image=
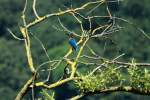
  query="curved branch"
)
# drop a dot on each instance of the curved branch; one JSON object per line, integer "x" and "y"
{"x": 63, "y": 12}
{"x": 116, "y": 62}
{"x": 34, "y": 9}
{"x": 58, "y": 83}
{"x": 114, "y": 89}
{"x": 24, "y": 90}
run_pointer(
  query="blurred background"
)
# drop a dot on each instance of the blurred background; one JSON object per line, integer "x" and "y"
{"x": 13, "y": 63}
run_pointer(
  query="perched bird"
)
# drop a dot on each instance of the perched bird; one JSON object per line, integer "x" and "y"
{"x": 72, "y": 42}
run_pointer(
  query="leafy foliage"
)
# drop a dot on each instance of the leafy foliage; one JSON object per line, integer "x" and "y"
{"x": 108, "y": 77}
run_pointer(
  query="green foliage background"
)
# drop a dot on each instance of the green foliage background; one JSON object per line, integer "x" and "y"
{"x": 13, "y": 62}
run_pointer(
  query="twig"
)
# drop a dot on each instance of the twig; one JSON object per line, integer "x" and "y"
{"x": 14, "y": 35}
{"x": 34, "y": 9}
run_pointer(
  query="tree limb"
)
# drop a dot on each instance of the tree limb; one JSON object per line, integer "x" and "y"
{"x": 113, "y": 89}
{"x": 24, "y": 90}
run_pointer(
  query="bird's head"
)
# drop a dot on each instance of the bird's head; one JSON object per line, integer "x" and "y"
{"x": 71, "y": 35}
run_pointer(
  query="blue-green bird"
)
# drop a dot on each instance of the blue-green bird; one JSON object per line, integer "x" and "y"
{"x": 73, "y": 42}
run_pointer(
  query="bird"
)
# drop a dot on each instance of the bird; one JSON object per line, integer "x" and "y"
{"x": 72, "y": 42}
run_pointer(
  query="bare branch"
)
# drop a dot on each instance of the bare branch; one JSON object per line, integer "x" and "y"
{"x": 42, "y": 84}
{"x": 24, "y": 90}
{"x": 25, "y": 7}
{"x": 117, "y": 62}
{"x": 14, "y": 35}
{"x": 34, "y": 9}
{"x": 63, "y": 12}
